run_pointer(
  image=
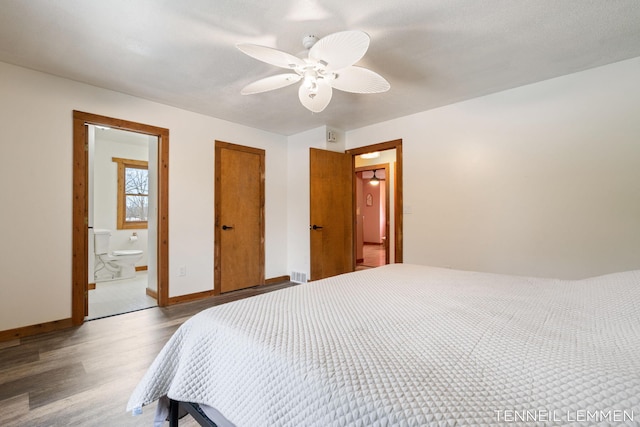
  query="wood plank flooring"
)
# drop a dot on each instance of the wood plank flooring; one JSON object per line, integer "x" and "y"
{"x": 84, "y": 376}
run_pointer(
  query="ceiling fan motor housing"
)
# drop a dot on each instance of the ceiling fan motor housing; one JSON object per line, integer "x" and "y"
{"x": 309, "y": 40}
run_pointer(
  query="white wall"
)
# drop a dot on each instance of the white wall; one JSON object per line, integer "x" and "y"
{"x": 298, "y": 240}
{"x": 36, "y": 191}
{"x": 541, "y": 180}
{"x": 297, "y": 192}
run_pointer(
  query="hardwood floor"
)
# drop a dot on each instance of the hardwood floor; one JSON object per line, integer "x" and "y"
{"x": 83, "y": 376}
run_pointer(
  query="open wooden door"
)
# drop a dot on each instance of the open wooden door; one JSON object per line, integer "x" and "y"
{"x": 239, "y": 222}
{"x": 331, "y": 226}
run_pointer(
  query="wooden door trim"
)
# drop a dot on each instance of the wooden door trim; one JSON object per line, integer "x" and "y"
{"x": 80, "y": 231}
{"x": 398, "y": 212}
{"x": 387, "y": 227}
{"x": 219, "y": 146}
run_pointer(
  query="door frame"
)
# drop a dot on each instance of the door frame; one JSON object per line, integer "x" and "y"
{"x": 80, "y": 231}
{"x": 217, "y": 238}
{"x": 397, "y": 191}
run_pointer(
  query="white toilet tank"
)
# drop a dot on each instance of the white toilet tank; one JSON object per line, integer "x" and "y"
{"x": 101, "y": 241}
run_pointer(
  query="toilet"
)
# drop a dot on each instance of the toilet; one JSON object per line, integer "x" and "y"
{"x": 119, "y": 264}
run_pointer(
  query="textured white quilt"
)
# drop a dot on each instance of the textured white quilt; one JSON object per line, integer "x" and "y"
{"x": 407, "y": 345}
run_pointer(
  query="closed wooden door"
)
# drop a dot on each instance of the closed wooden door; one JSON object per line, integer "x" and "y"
{"x": 331, "y": 226}
{"x": 239, "y": 222}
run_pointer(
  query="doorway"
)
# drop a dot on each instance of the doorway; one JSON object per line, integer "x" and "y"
{"x": 390, "y": 153}
{"x": 158, "y": 247}
{"x": 122, "y": 169}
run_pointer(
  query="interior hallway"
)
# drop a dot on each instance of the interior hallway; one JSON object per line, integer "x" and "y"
{"x": 373, "y": 256}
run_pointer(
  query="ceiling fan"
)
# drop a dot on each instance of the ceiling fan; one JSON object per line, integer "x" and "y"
{"x": 328, "y": 66}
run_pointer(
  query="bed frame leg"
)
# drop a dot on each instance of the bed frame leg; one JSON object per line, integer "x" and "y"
{"x": 174, "y": 407}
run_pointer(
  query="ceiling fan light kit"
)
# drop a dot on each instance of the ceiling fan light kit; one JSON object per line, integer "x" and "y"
{"x": 329, "y": 65}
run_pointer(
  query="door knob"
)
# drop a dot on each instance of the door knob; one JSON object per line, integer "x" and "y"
{"x": 316, "y": 227}
{"x": 227, "y": 227}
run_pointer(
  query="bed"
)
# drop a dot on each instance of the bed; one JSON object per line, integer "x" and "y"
{"x": 409, "y": 345}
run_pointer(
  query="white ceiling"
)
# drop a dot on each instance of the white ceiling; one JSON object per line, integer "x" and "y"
{"x": 432, "y": 52}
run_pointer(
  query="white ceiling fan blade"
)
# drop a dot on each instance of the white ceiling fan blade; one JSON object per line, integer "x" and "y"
{"x": 271, "y": 56}
{"x": 271, "y": 83}
{"x": 360, "y": 80}
{"x": 340, "y": 50}
{"x": 317, "y": 101}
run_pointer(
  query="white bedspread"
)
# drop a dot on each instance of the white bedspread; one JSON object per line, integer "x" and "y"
{"x": 407, "y": 345}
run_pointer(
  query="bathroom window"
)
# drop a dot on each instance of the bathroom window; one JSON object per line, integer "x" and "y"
{"x": 133, "y": 193}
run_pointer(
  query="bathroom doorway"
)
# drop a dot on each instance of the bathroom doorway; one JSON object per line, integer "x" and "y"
{"x": 122, "y": 192}
{"x": 157, "y": 216}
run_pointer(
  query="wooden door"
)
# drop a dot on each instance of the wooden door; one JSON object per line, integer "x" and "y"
{"x": 331, "y": 226}
{"x": 239, "y": 222}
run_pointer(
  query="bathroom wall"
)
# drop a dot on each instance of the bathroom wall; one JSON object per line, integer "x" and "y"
{"x": 126, "y": 145}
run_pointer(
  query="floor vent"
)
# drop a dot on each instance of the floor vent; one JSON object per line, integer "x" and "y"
{"x": 298, "y": 277}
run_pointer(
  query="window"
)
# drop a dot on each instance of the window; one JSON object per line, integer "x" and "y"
{"x": 133, "y": 193}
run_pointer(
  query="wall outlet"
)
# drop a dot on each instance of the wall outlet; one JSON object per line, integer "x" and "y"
{"x": 182, "y": 271}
